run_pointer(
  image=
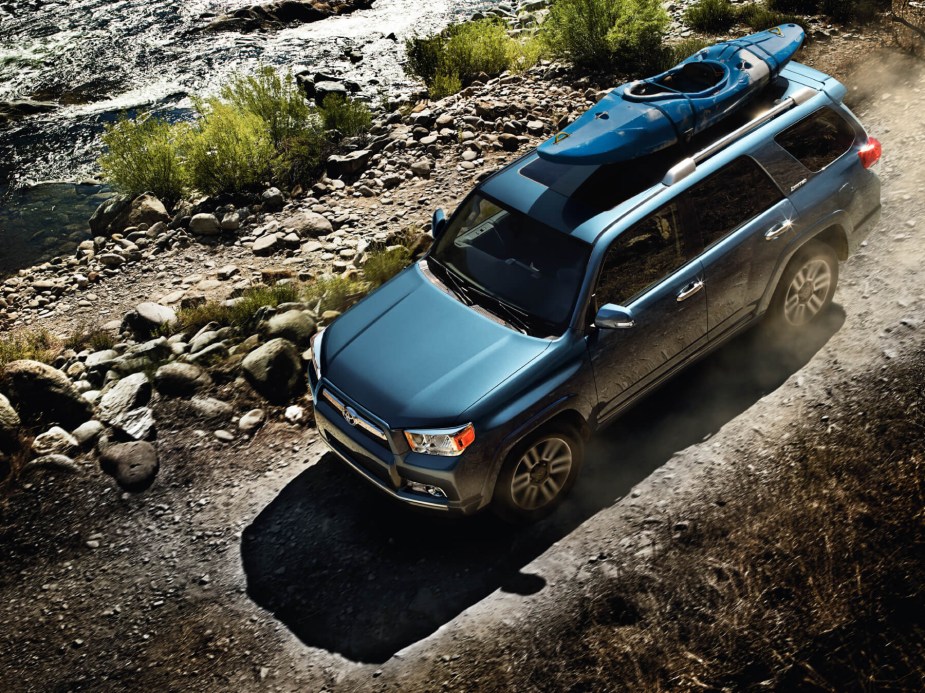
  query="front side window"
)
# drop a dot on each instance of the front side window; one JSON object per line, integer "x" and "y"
{"x": 818, "y": 140}
{"x": 499, "y": 255}
{"x": 643, "y": 255}
{"x": 730, "y": 197}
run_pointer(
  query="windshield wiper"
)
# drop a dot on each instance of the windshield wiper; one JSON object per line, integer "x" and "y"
{"x": 454, "y": 283}
{"x": 517, "y": 317}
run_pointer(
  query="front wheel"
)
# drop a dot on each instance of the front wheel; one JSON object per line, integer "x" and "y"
{"x": 806, "y": 287}
{"x": 537, "y": 475}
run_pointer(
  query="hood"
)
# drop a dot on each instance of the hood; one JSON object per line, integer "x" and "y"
{"x": 415, "y": 356}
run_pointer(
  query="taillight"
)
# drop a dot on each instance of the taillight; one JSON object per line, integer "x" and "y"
{"x": 871, "y": 152}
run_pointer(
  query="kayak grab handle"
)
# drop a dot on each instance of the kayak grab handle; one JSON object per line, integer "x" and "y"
{"x": 559, "y": 137}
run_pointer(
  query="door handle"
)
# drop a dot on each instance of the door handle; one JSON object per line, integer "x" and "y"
{"x": 690, "y": 290}
{"x": 778, "y": 230}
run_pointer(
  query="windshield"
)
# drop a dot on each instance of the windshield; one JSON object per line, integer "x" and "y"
{"x": 500, "y": 256}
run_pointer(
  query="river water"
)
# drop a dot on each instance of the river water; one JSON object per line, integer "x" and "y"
{"x": 95, "y": 59}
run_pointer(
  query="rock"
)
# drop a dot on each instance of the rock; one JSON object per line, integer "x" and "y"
{"x": 54, "y": 441}
{"x": 204, "y": 224}
{"x": 509, "y": 142}
{"x": 101, "y": 359}
{"x": 87, "y": 433}
{"x": 211, "y": 408}
{"x": 107, "y": 212}
{"x": 145, "y": 209}
{"x": 149, "y": 317}
{"x": 231, "y": 221}
{"x": 326, "y": 88}
{"x": 131, "y": 392}
{"x": 145, "y": 356}
{"x": 9, "y": 426}
{"x": 272, "y": 200}
{"x": 137, "y": 424}
{"x": 111, "y": 260}
{"x": 293, "y": 325}
{"x": 228, "y": 272}
{"x": 213, "y": 352}
{"x": 392, "y": 180}
{"x": 348, "y": 164}
{"x": 180, "y": 379}
{"x": 309, "y": 224}
{"x": 275, "y": 370}
{"x": 252, "y": 420}
{"x": 202, "y": 340}
{"x": 294, "y": 413}
{"x": 422, "y": 168}
{"x": 133, "y": 465}
{"x": 51, "y": 463}
{"x": 39, "y": 392}
{"x": 224, "y": 436}
{"x": 266, "y": 245}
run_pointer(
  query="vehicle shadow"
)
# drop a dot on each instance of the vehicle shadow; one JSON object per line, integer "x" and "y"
{"x": 350, "y": 571}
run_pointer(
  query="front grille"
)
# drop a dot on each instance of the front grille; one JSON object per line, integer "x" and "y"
{"x": 371, "y": 430}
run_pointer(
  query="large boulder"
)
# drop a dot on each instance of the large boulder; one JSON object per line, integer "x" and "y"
{"x": 148, "y": 317}
{"x": 40, "y": 393}
{"x": 204, "y": 224}
{"x": 348, "y": 164}
{"x": 120, "y": 212}
{"x": 130, "y": 393}
{"x": 294, "y": 325}
{"x": 180, "y": 379}
{"x": 133, "y": 465}
{"x": 308, "y": 224}
{"x": 107, "y": 213}
{"x": 9, "y": 426}
{"x": 275, "y": 370}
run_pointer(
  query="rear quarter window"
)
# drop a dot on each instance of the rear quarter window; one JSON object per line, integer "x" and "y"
{"x": 818, "y": 140}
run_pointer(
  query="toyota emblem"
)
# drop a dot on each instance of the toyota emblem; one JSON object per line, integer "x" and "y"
{"x": 350, "y": 416}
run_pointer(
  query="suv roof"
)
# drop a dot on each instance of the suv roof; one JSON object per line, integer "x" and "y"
{"x": 584, "y": 201}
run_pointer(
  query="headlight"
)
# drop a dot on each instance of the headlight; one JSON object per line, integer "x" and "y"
{"x": 315, "y": 344}
{"x": 448, "y": 442}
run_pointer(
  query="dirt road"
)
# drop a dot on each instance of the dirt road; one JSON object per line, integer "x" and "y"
{"x": 264, "y": 565}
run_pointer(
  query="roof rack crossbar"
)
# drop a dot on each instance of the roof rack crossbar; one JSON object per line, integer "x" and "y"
{"x": 686, "y": 167}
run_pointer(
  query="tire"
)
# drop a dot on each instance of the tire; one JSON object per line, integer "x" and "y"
{"x": 805, "y": 289}
{"x": 537, "y": 474}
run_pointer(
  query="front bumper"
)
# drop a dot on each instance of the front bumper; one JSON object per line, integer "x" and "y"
{"x": 389, "y": 465}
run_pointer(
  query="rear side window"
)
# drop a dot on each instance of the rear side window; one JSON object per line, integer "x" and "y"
{"x": 818, "y": 140}
{"x": 730, "y": 197}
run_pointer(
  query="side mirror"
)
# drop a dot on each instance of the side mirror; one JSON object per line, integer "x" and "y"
{"x": 613, "y": 317}
{"x": 439, "y": 223}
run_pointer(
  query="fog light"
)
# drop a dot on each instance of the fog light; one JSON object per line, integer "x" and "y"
{"x": 425, "y": 489}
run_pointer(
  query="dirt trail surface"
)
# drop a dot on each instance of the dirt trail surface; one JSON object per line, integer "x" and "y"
{"x": 265, "y": 565}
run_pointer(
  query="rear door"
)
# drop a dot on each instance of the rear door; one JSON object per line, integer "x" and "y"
{"x": 652, "y": 269}
{"x": 745, "y": 222}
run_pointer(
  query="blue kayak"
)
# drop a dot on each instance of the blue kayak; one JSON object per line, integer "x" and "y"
{"x": 646, "y": 116}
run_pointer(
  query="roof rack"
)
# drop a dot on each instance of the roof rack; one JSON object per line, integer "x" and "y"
{"x": 686, "y": 167}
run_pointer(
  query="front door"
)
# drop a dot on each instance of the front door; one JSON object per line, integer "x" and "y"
{"x": 652, "y": 269}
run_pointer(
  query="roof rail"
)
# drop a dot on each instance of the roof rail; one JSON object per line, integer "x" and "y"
{"x": 686, "y": 167}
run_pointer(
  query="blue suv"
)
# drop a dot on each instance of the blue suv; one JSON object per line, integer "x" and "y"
{"x": 557, "y": 295}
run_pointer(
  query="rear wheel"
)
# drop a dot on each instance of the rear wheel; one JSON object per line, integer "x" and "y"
{"x": 537, "y": 475}
{"x": 806, "y": 287}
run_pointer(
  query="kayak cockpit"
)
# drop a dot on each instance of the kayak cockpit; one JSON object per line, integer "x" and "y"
{"x": 691, "y": 80}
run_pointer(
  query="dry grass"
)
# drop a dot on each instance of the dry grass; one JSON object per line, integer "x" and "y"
{"x": 812, "y": 582}
{"x": 36, "y": 344}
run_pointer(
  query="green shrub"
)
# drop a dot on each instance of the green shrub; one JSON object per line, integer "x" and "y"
{"x": 240, "y": 313}
{"x": 229, "y": 150}
{"x": 348, "y": 116}
{"x": 94, "y": 339}
{"x": 759, "y": 17}
{"x": 276, "y": 99}
{"x": 301, "y": 157}
{"x": 382, "y": 265}
{"x": 711, "y": 16}
{"x": 335, "y": 293}
{"x": 37, "y": 345}
{"x": 145, "y": 155}
{"x": 447, "y": 61}
{"x": 607, "y": 34}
